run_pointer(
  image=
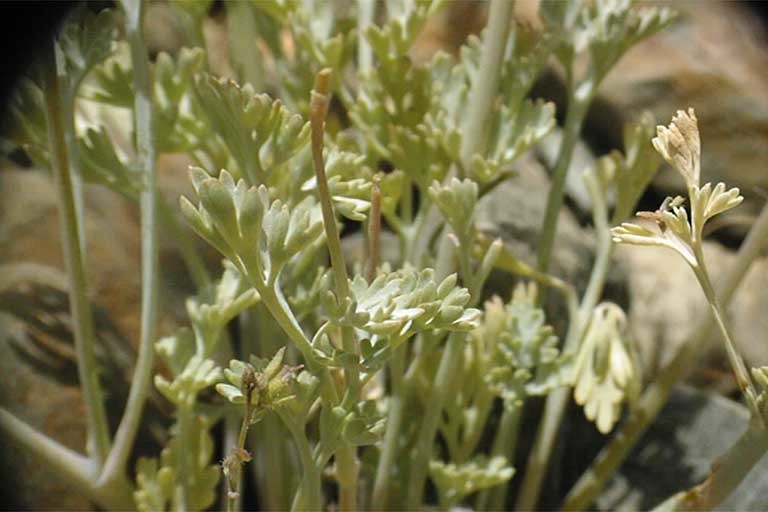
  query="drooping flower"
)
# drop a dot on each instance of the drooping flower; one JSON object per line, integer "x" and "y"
{"x": 605, "y": 370}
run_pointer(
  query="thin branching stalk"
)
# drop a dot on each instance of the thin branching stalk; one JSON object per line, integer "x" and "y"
{"x": 482, "y": 96}
{"x": 366, "y": 11}
{"x": 504, "y": 444}
{"x": 485, "y": 88}
{"x": 145, "y": 141}
{"x": 374, "y": 230}
{"x": 77, "y": 470}
{"x": 557, "y": 400}
{"x": 184, "y": 418}
{"x": 446, "y": 372}
{"x": 395, "y": 408}
{"x": 272, "y": 466}
{"x": 578, "y": 104}
{"x": 743, "y": 380}
{"x": 347, "y": 469}
{"x": 98, "y": 432}
{"x": 586, "y": 489}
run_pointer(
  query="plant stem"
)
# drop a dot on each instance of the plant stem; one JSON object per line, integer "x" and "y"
{"x": 347, "y": 467}
{"x": 656, "y": 395}
{"x": 181, "y": 490}
{"x": 726, "y": 474}
{"x": 743, "y": 379}
{"x": 366, "y": 11}
{"x": 577, "y": 108}
{"x": 242, "y": 30}
{"x": 311, "y": 490}
{"x": 98, "y": 432}
{"x": 554, "y": 408}
{"x": 272, "y": 467}
{"x": 374, "y": 230}
{"x": 503, "y": 445}
{"x": 390, "y": 447}
{"x": 449, "y": 363}
{"x": 75, "y": 469}
{"x": 126, "y": 432}
{"x": 484, "y": 89}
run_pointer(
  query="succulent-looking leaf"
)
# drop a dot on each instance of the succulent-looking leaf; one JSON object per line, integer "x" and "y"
{"x": 157, "y": 479}
{"x": 197, "y": 375}
{"x": 257, "y": 235}
{"x": 231, "y": 296}
{"x": 524, "y": 359}
{"x": 456, "y": 201}
{"x": 456, "y": 481}
{"x": 260, "y": 132}
{"x": 606, "y": 371}
{"x": 397, "y": 305}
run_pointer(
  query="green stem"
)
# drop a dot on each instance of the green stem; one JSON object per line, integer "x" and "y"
{"x": 482, "y": 407}
{"x": 181, "y": 490}
{"x": 98, "y": 432}
{"x": 242, "y": 30}
{"x": 311, "y": 496}
{"x": 656, "y": 395}
{"x": 743, "y": 378}
{"x": 390, "y": 447}
{"x": 504, "y": 445}
{"x": 129, "y": 424}
{"x": 727, "y": 473}
{"x": 233, "y": 497}
{"x": 577, "y": 108}
{"x": 366, "y": 10}
{"x": 554, "y": 408}
{"x": 75, "y": 469}
{"x": 271, "y": 466}
{"x": 347, "y": 466}
{"x": 446, "y": 372}
{"x": 485, "y": 88}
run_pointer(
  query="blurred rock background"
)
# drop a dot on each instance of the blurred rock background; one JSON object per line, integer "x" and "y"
{"x": 714, "y": 60}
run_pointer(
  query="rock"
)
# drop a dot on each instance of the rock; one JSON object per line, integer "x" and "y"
{"x": 713, "y": 60}
{"x": 514, "y": 211}
{"x": 677, "y": 452}
{"x": 666, "y": 302}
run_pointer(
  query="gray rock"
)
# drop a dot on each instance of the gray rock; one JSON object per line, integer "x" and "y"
{"x": 677, "y": 451}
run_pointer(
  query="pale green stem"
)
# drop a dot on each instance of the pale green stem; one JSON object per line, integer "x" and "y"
{"x": 743, "y": 379}
{"x": 577, "y": 108}
{"x": 233, "y": 496}
{"x": 181, "y": 490}
{"x": 656, "y": 395}
{"x": 422, "y": 454}
{"x": 504, "y": 445}
{"x": 98, "y": 432}
{"x": 242, "y": 31}
{"x": 392, "y": 436}
{"x": 726, "y": 474}
{"x": 271, "y": 466}
{"x": 366, "y": 10}
{"x": 484, "y": 89}
{"x": 74, "y": 469}
{"x": 311, "y": 496}
{"x": 554, "y": 408}
{"x": 347, "y": 466}
{"x": 129, "y": 424}
{"x": 482, "y": 406}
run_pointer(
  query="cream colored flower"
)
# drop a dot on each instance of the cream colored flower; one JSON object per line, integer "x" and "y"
{"x": 680, "y": 145}
{"x": 606, "y": 373}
